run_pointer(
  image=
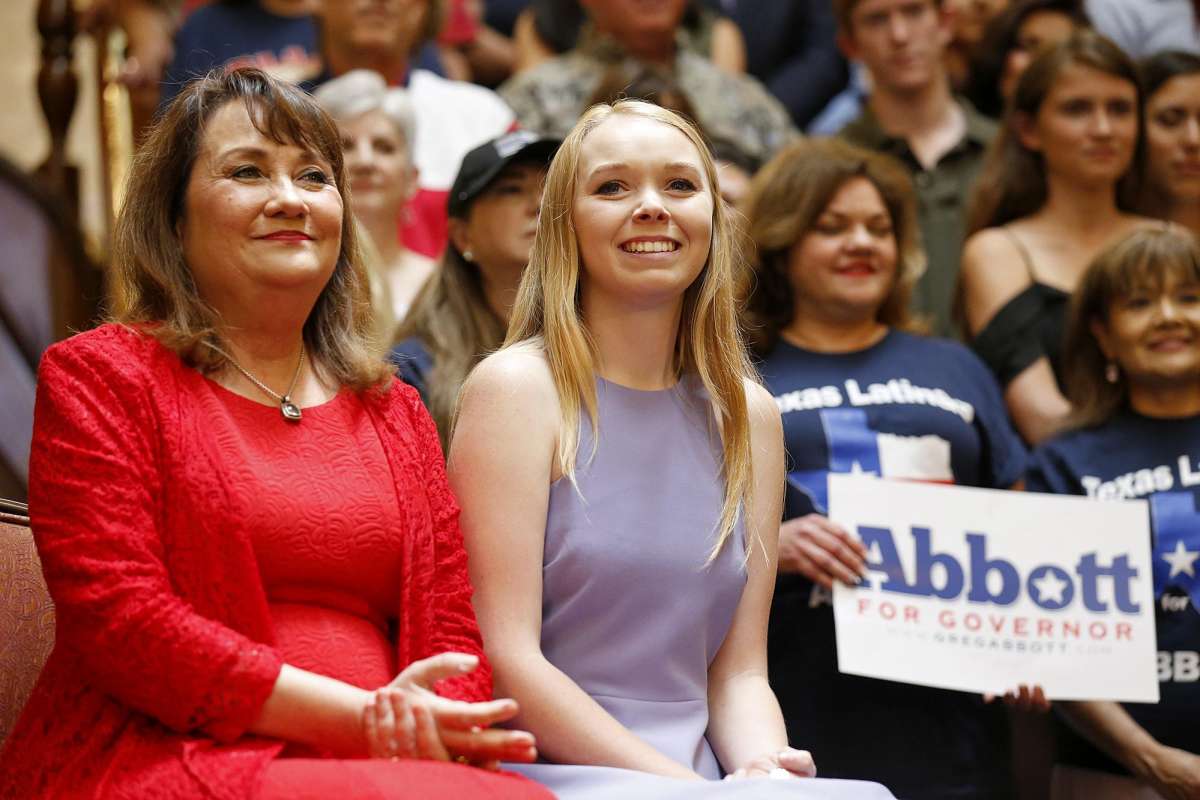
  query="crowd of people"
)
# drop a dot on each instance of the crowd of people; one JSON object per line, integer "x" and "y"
{"x": 473, "y": 373}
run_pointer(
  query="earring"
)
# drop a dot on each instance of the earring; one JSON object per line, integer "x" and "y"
{"x": 1112, "y": 373}
{"x": 468, "y": 255}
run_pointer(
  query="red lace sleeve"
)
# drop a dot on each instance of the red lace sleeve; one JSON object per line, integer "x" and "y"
{"x": 454, "y": 625}
{"x": 96, "y": 491}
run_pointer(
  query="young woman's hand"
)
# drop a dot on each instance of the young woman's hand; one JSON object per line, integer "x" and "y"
{"x": 786, "y": 763}
{"x": 821, "y": 551}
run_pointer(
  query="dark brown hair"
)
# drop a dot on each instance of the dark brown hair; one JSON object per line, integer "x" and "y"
{"x": 1156, "y": 71}
{"x": 1163, "y": 66}
{"x": 1012, "y": 183}
{"x": 1000, "y": 39}
{"x": 786, "y": 198}
{"x": 152, "y": 284}
{"x": 1144, "y": 260}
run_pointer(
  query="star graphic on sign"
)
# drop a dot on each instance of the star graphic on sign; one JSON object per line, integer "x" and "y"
{"x": 1181, "y": 560}
{"x": 1050, "y": 587}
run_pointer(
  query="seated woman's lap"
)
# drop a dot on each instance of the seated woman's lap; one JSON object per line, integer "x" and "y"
{"x": 374, "y": 779}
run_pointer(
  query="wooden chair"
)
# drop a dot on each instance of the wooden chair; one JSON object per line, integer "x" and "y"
{"x": 26, "y": 614}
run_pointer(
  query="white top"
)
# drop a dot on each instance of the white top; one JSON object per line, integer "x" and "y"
{"x": 452, "y": 118}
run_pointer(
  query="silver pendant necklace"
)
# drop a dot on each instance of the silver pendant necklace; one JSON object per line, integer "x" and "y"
{"x": 290, "y": 411}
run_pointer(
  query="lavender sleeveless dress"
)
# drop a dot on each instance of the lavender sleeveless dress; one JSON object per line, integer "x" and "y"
{"x": 631, "y": 612}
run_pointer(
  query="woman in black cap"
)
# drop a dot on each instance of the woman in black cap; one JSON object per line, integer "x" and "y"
{"x": 461, "y": 315}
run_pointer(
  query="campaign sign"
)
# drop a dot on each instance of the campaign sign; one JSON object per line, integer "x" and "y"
{"x": 981, "y": 590}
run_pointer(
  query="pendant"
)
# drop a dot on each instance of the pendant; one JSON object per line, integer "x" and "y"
{"x": 290, "y": 411}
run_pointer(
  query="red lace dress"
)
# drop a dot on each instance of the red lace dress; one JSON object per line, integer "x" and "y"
{"x": 327, "y": 530}
{"x": 193, "y": 541}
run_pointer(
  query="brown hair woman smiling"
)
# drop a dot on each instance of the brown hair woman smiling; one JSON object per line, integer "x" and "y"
{"x": 241, "y": 515}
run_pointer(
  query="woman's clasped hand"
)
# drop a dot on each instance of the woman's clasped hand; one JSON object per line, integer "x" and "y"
{"x": 406, "y": 719}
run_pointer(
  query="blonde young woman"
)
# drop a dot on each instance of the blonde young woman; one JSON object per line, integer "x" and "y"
{"x": 621, "y": 475}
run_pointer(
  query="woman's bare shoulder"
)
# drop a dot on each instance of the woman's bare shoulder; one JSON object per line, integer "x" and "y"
{"x": 515, "y": 375}
{"x": 993, "y": 273}
{"x": 508, "y": 415}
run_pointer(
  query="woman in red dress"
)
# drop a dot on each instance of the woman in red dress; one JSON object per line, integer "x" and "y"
{"x": 242, "y": 516}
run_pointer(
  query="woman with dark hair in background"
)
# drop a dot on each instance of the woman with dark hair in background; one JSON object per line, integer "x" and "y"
{"x": 1011, "y": 42}
{"x": 969, "y": 22}
{"x": 242, "y": 517}
{"x": 1057, "y": 186}
{"x": 1132, "y": 368}
{"x": 838, "y": 254}
{"x": 1171, "y": 189}
{"x": 462, "y": 314}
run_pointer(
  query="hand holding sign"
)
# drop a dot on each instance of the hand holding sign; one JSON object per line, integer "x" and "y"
{"x": 821, "y": 551}
{"x": 1023, "y": 698}
{"x": 981, "y": 590}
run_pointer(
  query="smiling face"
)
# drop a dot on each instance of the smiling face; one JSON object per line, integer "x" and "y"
{"x": 1087, "y": 126}
{"x": 258, "y": 216}
{"x": 642, "y": 212}
{"x": 845, "y": 265}
{"x": 1173, "y": 138}
{"x": 382, "y": 177}
{"x": 1154, "y": 334}
{"x": 902, "y": 42}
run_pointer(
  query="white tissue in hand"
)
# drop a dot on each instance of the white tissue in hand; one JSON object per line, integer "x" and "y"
{"x": 779, "y": 774}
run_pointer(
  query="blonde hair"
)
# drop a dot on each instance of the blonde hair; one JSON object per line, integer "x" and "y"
{"x": 547, "y": 313}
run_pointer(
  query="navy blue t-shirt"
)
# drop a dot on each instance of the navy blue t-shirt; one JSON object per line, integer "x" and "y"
{"x": 220, "y": 34}
{"x": 413, "y": 363}
{"x": 1158, "y": 460}
{"x": 908, "y": 407}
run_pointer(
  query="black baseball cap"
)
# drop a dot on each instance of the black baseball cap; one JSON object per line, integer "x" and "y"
{"x": 481, "y": 166}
